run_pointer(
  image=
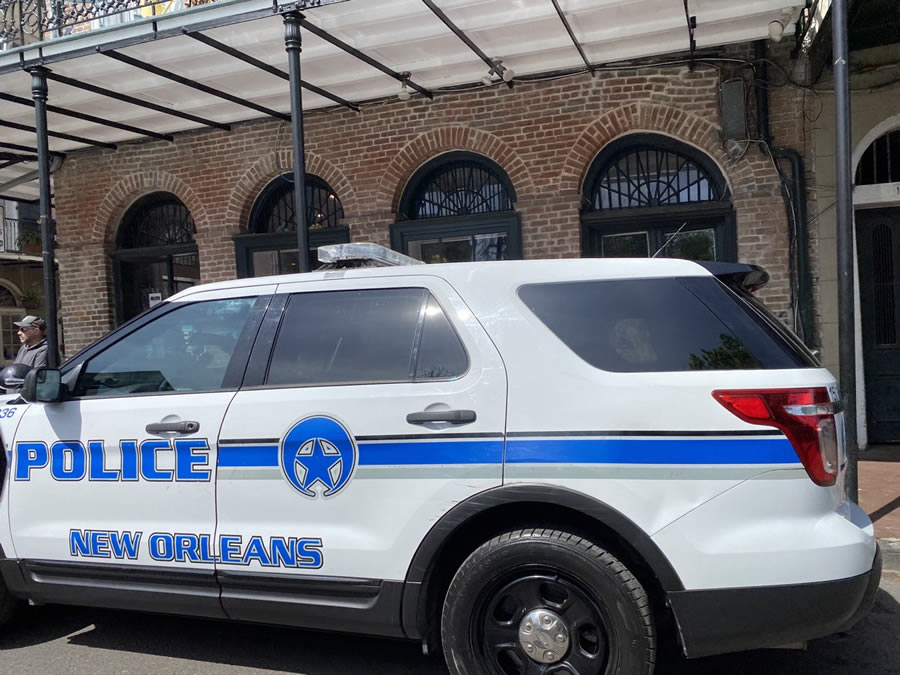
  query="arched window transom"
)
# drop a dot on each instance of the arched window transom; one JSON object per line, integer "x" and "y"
{"x": 650, "y": 195}
{"x": 459, "y": 186}
{"x": 880, "y": 162}
{"x": 7, "y": 298}
{"x": 275, "y": 209}
{"x": 458, "y": 207}
{"x": 158, "y": 219}
{"x": 645, "y": 175}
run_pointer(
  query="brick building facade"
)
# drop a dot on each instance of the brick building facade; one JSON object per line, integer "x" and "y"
{"x": 543, "y": 134}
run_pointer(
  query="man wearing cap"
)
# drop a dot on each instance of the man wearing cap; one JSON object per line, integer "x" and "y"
{"x": 33, "y": 351}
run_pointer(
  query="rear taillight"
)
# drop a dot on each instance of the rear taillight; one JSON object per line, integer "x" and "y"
{"x": 805, "y": 416}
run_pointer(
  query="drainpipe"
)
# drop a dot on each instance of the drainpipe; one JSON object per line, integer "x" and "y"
{"x": 760, "y": 85}
{"x": 796, "y": 197}
{"x": 799, "y": 215}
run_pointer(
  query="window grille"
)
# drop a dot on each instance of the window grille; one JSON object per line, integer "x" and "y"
{"x": 460, "y": 187}
{"x": 275, "y": 209}
{"x": 649, "y": 176}
{"x": 158, "y": 219}
{"x": 880, "y": 162}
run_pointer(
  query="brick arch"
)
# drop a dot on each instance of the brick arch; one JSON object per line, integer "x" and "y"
{"x": 643, "y": 118}
{"x": 438, "y": 141}
{"x": 128, "y": 190}
{"x": 272, "y": 165}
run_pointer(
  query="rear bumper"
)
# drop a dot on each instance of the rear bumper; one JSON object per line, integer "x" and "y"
{"x": 736, "y": 619}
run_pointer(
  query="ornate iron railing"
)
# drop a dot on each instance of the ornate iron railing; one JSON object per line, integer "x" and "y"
{"x": 26, "y": 21}
{"x": 9, "y": 236}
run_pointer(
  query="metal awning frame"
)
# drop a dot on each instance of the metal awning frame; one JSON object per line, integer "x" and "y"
{"x": 40, "y": 93}
{"x": 494, "y": 65}
{"x": 53, "y": 134}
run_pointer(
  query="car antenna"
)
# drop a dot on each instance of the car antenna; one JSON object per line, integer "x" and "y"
{"x": 669, "y": 240}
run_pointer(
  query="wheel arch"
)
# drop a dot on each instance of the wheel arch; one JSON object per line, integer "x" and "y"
{"x": 472, "y": 522}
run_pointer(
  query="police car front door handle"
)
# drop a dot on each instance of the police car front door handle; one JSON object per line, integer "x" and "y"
{"x": 451, "y": 416}
{"x": 186, "y": 427}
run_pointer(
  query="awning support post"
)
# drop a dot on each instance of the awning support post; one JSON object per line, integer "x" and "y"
{"x": 293, "y": 46}
{"x": 845, "y": 248}
{"x": 39, "y": 94}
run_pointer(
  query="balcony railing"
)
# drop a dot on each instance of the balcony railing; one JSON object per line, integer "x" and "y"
{"x": 19, "y": 236}
{"x": 26, "y": 21}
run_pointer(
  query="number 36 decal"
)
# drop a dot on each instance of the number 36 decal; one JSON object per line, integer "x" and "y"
{"x": 7, "y": 412}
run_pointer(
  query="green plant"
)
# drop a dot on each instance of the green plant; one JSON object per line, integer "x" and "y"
{"x": 26, "y": 237}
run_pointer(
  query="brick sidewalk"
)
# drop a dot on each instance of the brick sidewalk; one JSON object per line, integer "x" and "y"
{"x": 879, "y": 488}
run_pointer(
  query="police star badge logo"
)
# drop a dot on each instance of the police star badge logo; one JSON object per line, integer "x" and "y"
{"x": 318, "y": 456}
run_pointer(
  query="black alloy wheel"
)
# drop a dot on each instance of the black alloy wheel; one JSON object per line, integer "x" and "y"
{"x": 516, "y": 631}
{"x": 544, "y": 602}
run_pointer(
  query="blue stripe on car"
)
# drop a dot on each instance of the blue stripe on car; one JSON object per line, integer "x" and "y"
{"x": 545, "y": 451}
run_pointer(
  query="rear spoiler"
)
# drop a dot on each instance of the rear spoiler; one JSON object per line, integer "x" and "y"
{"x": 748, "y": 278}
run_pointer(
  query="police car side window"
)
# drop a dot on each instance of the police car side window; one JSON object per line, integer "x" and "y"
{"x": 657, "y": 325}
{"x": 440, "y": 354}
{"x": 366, "y": 336}
{"x": 187, "y": 349}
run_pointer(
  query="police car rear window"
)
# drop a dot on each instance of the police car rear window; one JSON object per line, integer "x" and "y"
{"x": 660, "y": 325}
{"x": 365, "y": 336}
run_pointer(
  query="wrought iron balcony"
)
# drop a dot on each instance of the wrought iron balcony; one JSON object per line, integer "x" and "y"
{"x": 19, "y": 236}
{"x": 26, "y": 21}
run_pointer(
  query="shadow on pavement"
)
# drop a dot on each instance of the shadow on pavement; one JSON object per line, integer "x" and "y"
{"x": 872, "y": 647}
{"x": 218, "y": 642}
{"x": 36, "y": 626}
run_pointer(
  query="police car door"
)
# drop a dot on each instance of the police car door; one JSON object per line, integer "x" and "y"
{"x": 112, "y": 491}
{"x": 380, "y": 405}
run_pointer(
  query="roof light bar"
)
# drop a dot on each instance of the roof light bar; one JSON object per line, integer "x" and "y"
{"x": 363, "y": 255}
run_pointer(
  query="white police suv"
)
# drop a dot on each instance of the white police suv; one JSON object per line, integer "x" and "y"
{"x": 539, "y": 465}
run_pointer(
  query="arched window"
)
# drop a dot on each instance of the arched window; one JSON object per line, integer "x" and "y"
{"x": 647, "y": 193}
{"x": 7, "y": 297}
{"x": 271, "y": 246}
{"x": 275, "y": 208}
{"x": 880, "y": 162}
{"x": 155, "y": 254}
{"x": 458, "y": 207}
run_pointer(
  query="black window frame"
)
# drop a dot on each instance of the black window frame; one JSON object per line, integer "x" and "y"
{"x": 245, "y": 245}
{"x": 256, "y": 373}
{"x": 509, "y": 224}
{"x": 407, "y": 229}
{"x": 657, "y": 221}
{"x": 135, "y": 254}
{"x": 250, "y": 242}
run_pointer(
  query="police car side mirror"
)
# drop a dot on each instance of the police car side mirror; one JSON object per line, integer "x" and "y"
{"x": 43, "y": 385}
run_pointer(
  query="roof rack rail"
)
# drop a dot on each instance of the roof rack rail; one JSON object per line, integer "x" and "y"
{"x": 342, "y": 256}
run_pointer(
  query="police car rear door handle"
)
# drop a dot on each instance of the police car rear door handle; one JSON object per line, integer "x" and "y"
{"x": 186, "y": 427}
{"x": 451, "y": 416}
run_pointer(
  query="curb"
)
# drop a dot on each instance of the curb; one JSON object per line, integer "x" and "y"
{"x": 890, "y": 554}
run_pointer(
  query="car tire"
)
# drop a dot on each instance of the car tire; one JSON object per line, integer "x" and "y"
{"x": 549, "y": 602}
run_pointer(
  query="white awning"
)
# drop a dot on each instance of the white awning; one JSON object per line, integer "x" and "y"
{"x": 403, "y": 35}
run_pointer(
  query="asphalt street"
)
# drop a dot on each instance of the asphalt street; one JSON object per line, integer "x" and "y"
{"x": 50, "y": 640}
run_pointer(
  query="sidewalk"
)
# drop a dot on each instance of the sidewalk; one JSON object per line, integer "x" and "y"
{"x": 879, "y": 495}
